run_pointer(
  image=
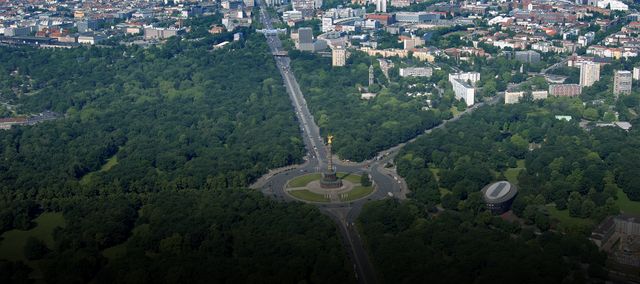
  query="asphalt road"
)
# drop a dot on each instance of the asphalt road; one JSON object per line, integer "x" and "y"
{"x": 387, "y": 183}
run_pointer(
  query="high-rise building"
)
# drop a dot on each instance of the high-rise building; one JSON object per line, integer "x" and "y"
{"x": 339, "y": 56}
{"x": 305, "y": 35}
{"x": 381, "y": 6}
{"x": 461, "y": 87}
{"x": 636, "y": 73}
{"x": 589, "y": 73}
{"x": 371, "y": 75}
{"x": 622, "y": 81}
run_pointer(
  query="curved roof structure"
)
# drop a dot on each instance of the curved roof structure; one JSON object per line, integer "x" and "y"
{"x": 499, "y": 192}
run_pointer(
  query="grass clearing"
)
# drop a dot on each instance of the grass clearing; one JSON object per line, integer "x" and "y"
{"x": 435, "y": 172}
{"x": 111, "y": 162}
{"x": 357, "y": 193}
{"x": 308, "y": 195}
{"x": 354, "y": 178}
{"x": 565, "y": 220}
{"x": 303, "y": 180}
{"x": 512, "y": 173}
{"x": 627, "y": 205}
{"x": 12, "y": 244}
{"x": 115, "y": 252}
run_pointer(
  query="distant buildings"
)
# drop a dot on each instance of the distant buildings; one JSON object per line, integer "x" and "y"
{"x": 339, "y": 56}
{"x": 413, "y": 42}
{"x": 416, "y": 72}
{"x": 305, "y": 41}
{"x": 462, "y": 86}
{"x": 90, "y": 39}
{"x": 636, "y": 73}
{"x": 589, "y": 73}
{"x": 416, "y": 17}
{"x": 622, "y": 81}
{"x": 160, "y": 33}
{"x": 512, "y": 97}
{"x": 565, "y": 90}
{"x": 515, "y": 97}
{"x": 528, "y": 56}
{"x": 381, "y": 6}
{"x": 619, "y": 236}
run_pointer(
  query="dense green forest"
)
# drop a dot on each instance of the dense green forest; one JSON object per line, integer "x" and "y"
{"x": 561, "y": 160}
{"x": 410, "y": 245}
{"x": 361, "y": 127}
{"x": 150, "y": 159}
{"x": 445, "y": 234}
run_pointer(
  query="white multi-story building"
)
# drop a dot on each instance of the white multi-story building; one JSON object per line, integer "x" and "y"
{"x": 381, "y": 6}
{"x": 339, "y": 56}
{"x": 622, "y": 81}
{"x": 462, "y": 86}
{"x": 416, "y": 72}
{"x": 589, "y": 73}
{"x": 636, "y": 73}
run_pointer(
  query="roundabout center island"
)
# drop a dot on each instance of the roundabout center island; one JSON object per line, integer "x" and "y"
{"x": 329, "y": 186}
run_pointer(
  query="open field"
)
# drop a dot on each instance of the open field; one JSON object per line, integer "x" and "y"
{"x": 111, "y": 162}
{"x": 565, "y": 220}
{"x": 12, "y": 244}
{"x": 626, "y": 205}
{"x": 512, "y": 173}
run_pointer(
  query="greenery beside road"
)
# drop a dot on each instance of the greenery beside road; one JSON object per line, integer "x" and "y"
{"x": 361, "y": 127}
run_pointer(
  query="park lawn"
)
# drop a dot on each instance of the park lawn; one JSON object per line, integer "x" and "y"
{"x": 115, "y": 252}
{"x": 443, "y": 191}
{"x": 567, "y": 221}
{"x": 308, "y": 195}
{"x": 435, "y": 172}
{"x": 303, "y": 180}
{"x": 358, "y": 192}
{"x": 512, "y": 173}
{"x": 111, "y": 162}
{"x": 12, "y": 244}
{"x": 626, "y": 205}
{"x": 353, "y": 178}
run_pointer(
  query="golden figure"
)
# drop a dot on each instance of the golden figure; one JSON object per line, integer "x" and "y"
{"x": 330, "y": 138}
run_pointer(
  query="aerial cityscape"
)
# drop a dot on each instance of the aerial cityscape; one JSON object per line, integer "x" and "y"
{"x": 319, "y": 141}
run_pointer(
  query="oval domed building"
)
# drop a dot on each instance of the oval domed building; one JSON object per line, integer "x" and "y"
{"x": 498, "y": 196}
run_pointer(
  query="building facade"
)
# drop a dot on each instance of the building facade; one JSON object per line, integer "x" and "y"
{"x": 338, "y": 56}
{"x": 589, "y": 73}
{"x": 463, "y": 86}
{"x": 416, "y": 72}
{"x": 622, "y": 81}
{"x": 565, "y": 90}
